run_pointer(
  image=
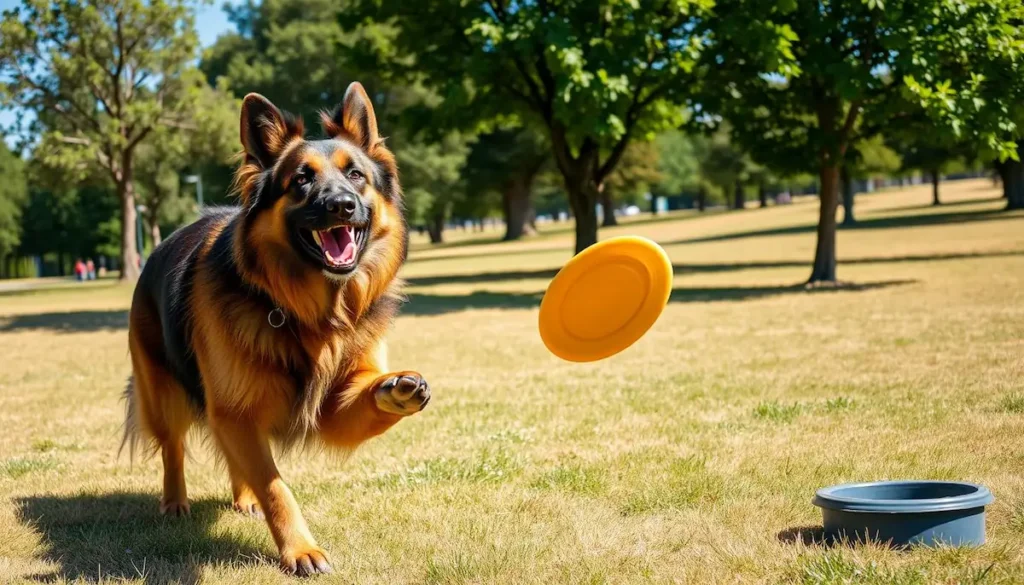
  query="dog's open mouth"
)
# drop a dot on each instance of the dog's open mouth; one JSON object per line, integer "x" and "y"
{"x": 340, "y": 246}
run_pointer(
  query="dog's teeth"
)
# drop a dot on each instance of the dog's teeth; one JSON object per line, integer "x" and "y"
{"x": 316, "y": 236}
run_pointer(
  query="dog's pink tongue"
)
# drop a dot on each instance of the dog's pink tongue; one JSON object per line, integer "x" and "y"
{"x": 330, "y": 245}
{"x": 347, "y": 238}
{"x": 339, "y": 245}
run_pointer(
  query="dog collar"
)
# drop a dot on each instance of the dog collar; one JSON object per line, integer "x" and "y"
{"x": 276, "y": 318}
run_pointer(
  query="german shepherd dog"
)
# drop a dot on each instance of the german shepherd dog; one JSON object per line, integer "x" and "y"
{"x": 266, "y": 322}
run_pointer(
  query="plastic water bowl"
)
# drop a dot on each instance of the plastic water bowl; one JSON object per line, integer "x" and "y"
{"x": 902, "y": 513}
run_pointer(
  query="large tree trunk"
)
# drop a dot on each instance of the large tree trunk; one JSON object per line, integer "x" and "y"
{"x": 739, "y": 197}
{"x": 702, "y": 198}
{"x": 935, "y": 187}
{"x": 130, "y": 268}
{"x": 824, "y": 269}
{"x": 435, "y": 228}
{"x": 60, "y": 263}
{"x": 762, "y": 194}
{"x": 608, "y": 208}
{"x": 583, "y": 200}
{"x": 848, "y": 197}
{"x": 518, "y": 209}
{"x": 154, "y": 232}
{"x": 1013, "y": 180}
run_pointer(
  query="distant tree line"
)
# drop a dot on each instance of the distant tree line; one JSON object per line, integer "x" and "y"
{"x": 501, "y": 109}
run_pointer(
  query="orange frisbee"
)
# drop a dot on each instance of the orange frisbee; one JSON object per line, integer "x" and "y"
{"x": 605, "y": 299}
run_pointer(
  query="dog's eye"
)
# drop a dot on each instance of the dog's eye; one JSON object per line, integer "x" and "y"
{"x": 356, "y": 175}
{"x": 301, "y": 179}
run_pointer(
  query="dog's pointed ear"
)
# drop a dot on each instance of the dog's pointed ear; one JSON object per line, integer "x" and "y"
{"x": 353, "y": 119}
{"x": 266, "y": 130}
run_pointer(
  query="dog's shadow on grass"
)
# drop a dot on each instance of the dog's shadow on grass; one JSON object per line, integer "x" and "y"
{"x": 122, "y": 536}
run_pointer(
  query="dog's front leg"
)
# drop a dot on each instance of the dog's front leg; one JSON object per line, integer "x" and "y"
{"x": 247, "y": 450}
{"x": 368, "y": 403}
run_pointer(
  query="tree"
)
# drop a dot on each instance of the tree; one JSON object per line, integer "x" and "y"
{"x": 987, "y": 114}
{"x": 594, "y": 75}
{"x": 726, "y": 166}
{"x": 432, "y": 177}
{"x": 678, "y": 165}
{"x": 635, "y": 174}
{"x": 926, "y": 152}
{"x": 863, "y": 159}
{"x": 843, "y": 68}
{"x": 101, "y": 76}
{"x": 210, "y": 137}
{"x": 507, "y": 161}
{"x": 13, "y": 196}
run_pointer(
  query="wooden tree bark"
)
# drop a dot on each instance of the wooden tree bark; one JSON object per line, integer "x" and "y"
{"x": 130, "y": 268}
{"x": 848, "y": 197}
{"x": 739, "y": 197}
{"x": 762, "y": 194}
{"x": 935, "y": 187}
{"x": 824, "y": 269}
{"x": 608, "y": 208}
{"x": 702, "y": 198}
{"x": 1013, "y": 180}
{"x": 518, "y": 209}
{"x": 435, "y": 228}
{"x": 154, "y": 232}
{"x": 583, "y": 201}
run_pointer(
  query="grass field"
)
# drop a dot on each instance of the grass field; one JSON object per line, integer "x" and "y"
{"x": 690, "y": 458}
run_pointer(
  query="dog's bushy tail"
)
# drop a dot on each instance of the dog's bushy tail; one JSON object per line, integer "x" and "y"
{"x": 132, "y": 433}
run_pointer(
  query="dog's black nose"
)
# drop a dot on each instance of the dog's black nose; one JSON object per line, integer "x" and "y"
{"x": 343, "y": 205}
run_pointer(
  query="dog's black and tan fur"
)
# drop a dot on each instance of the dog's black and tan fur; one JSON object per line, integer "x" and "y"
{"x": 266, "y": 322}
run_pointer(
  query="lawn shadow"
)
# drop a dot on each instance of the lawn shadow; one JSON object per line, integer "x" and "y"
{"x": 806, "y": 535}
{"x": 548, "y": 273}
{"x": 67, "y": 322}
{"x": 928, "y": 219}
{"x": 122, "y": 536}
{"x": 741, "y": 293}
{"x": 962, "y": 203}
{"x": 435, "y": 304}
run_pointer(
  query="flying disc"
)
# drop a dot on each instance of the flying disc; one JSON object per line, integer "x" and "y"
{"x": 605, "y": 299}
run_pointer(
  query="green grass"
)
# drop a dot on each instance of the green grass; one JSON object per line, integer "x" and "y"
{"x": 1013, "y": 403}
{"x": 692, "y": 457}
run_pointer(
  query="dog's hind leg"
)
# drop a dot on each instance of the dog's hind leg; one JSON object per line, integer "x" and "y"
{"x": 243, "y": 496}
{"x": 159, "y": 414}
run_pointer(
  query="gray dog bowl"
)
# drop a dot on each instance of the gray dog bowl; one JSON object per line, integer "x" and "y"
{"x": 902, "y": 513}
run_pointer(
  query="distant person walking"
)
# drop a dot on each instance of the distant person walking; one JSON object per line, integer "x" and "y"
{"x": 79, "y": 270}
{"x": 103, "y": 266}
{"x": 90, "y": 269}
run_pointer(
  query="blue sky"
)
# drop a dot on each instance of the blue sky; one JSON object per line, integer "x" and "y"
{"x": 211, "y": 21}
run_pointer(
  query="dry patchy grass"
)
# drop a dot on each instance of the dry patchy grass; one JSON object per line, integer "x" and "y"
{"x": 690, "y": 458}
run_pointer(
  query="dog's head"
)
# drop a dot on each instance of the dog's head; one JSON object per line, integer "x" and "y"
{"x": 330, "y": 206}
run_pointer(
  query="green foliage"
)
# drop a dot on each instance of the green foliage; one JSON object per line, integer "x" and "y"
{"x": 593, "y": 76}
{"x": 79, "y": 221}
{"x": 678, "y": 164}
{"x": 802, "y": 81}
{"x": 431, "y": 173}
{"x": 871, "y": 157}
{"x": 13, "y": 196}
{"x": 636, "y": 174}
{"x": 297, "y": 53}
{"x": 101, "y": 77}
{"x": 208, "y": 139}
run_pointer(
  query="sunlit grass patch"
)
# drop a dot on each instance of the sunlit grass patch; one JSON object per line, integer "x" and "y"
{"x": 21, "y": 466}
